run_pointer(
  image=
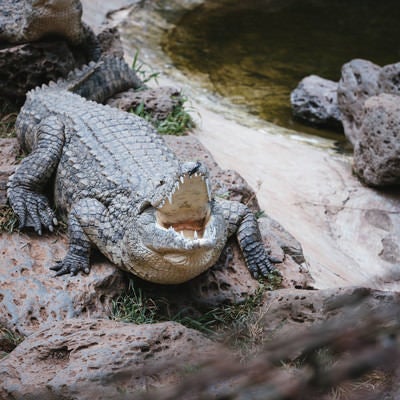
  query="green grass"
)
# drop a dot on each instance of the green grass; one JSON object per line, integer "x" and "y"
{"x": 141, "y": 69}
{"x": 134, "y": 306}
{"x": 239, "y": 325}
{"x": 178, "y": 122}
{"x": 8, "y": 220}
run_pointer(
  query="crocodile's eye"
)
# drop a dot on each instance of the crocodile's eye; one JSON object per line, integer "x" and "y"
{"x": 162, "y": 181}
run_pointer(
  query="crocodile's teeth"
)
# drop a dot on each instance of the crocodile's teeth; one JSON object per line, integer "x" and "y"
{"x": 182, "y": 234}
{"x": 195, "y": 236}
{"x": 170, "y": 198}
{"x": 182, "y": 179}
{"x": 208, "y": 189}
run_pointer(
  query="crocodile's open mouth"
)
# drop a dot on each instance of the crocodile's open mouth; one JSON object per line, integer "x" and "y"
{"x": 187, "y": 208}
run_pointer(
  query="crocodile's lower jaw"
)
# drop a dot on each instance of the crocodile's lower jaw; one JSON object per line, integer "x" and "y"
{"x": 189, "y": 229}
{"x": 179, "y": 267}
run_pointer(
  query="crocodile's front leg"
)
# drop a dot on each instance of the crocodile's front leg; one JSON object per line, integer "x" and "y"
{"x": 32, "y": 207}
{"x": 242, "y": 221}
{"x": 89, "y": 223}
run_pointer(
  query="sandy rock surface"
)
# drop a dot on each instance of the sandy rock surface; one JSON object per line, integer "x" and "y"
{"x": 100, "y": 359}
{"x": 31, "y": 296}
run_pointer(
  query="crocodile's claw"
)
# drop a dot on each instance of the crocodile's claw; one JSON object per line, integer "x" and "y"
{"x": 32, "y": 209}
{"x": 260, "y": 264}
{"x": 72, "y": 264}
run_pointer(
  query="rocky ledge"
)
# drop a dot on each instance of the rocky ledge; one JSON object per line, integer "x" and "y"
{"x": 365, "y": 102}
{"x": 30, "y": 296}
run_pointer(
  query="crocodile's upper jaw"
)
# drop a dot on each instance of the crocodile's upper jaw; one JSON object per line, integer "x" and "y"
{"x": 187, "y": 207}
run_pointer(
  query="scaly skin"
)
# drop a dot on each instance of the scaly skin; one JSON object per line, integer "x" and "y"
{"x": 121, "y": 187}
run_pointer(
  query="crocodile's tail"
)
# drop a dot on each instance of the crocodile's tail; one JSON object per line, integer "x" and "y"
{"x": 102, "y": 79}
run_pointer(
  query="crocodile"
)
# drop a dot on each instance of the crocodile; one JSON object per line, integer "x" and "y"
{"x": 120, "y": 187}
{"x": 23, "y": 21}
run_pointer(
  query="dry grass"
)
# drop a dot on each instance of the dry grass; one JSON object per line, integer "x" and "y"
{"x": 7, "y": 121}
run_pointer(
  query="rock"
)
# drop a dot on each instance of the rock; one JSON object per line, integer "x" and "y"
{"x": 377, "y": 151}
{"x": 110, "y": 41}
{"x": 314, "y": 101}
{"x": 24, "y": 21}
{"x": 286, "y": 242}
{"x": 286, "y": 310}
{"x": 358, "y": 82}
{"x": 28, "y": 65}
{"x": 158, "y": 102}
{"x": 25, "y": 66}
{"x": 389, "y": 79}
{"x": 31, "y": 296}
{"x": 100, "y": 359}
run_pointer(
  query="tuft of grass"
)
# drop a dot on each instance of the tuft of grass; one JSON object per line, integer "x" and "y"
{"x": 7, "y": 123}
{"x": 8, "y": 220}
{"x": 142, "y": 70}
{"x": 260, "y": 214}
{"x": 178, "y": 122}
{"x": 134, "y": 306}
{"x": 273, "y": 281}
{"x": 239, "y": 325}
{"x": 9, "y": 339}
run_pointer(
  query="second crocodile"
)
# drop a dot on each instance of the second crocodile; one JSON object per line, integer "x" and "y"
{"x": 123, "y": 189}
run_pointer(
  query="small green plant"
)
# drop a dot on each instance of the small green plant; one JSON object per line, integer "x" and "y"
{"x": 8, "y": 220}
{"x": 133, "y": 306}
{"x": 141, "y": 71}
{"x": 9, "y": 339}
{"x": 177, "y": 122}
{"x": 260, "y": 214}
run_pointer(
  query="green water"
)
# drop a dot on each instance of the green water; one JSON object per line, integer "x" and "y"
{"x": 255, "y": 52}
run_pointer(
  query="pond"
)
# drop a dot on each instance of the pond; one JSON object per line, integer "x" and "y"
{"x": 255, "y": 52}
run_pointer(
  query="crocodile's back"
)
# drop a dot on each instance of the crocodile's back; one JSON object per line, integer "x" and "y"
{"x": 104, "y": 148}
